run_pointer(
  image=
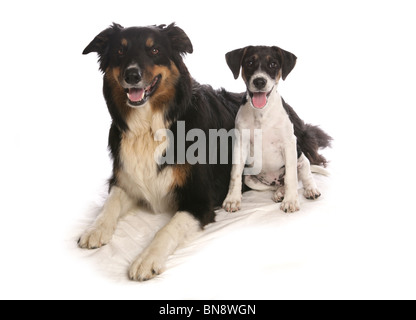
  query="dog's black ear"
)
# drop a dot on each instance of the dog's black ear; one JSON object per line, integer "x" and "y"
{"x": 178, "y": 38}
{"x": 288, "y": 61}
{"x": 101, "y": 41}
{"x": 235, "y": 59}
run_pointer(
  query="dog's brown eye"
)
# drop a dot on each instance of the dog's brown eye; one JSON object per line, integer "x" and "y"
{"x": 155, "y": 51}
{"x": 273, "y": 65}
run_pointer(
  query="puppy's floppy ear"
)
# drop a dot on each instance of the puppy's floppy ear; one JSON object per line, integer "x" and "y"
{"x": 288, "y": 61}
{"x": 235, "y": 59}
{"x": 179, "y": 40}
{"x": 100, "y": 43}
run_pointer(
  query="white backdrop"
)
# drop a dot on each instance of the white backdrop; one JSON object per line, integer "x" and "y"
{"x": 354, "y": 77}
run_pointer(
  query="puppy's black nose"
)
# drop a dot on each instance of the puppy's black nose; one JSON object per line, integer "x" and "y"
{"x": 132, "y": 76}
{"x": 259, "y": 83}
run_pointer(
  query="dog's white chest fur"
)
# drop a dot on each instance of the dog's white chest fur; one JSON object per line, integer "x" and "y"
{"x": 139, "y": 176}
{"x": 277, "y": 130}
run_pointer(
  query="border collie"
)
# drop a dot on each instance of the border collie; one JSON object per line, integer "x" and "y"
{"x": 148, "y": 90}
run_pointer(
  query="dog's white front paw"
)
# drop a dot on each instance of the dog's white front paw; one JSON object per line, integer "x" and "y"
{"x": 279, "y": 195}
{"x": 96, "y": 237}
{"x": 290, "y": 204}
{"x": 147, "y": 266}
{"x": 311, "y": 193}
{"x": 233, "y": 202}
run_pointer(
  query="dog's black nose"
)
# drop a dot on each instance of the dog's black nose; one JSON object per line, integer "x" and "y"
{"x": 260, "y": 83}
{"x": 132, "y": 76}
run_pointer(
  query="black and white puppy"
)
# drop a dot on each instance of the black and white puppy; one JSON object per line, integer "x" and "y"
{"x": 288, "y": 145}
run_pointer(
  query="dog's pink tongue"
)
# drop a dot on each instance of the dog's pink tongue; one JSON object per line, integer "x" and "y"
{"x": 136, "y": 95}
{"x": 259, "y": 99}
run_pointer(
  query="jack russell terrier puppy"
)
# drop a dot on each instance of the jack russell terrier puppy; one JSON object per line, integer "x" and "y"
{"x": 289, "y": 146}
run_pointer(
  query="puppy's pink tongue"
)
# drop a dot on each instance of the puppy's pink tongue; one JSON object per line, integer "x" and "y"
{"x": 259, "y": 99}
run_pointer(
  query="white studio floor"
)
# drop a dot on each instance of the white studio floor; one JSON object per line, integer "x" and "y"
{"x": 248, "y": 254}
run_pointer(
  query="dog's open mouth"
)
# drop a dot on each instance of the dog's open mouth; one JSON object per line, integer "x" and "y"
{"x": 259, "y": 99}
{"x": 139, "y": 96}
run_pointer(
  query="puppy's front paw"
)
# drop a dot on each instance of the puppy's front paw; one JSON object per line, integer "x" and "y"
{"x": 290, "y": 204}
{"x": 147, "y": 266}
{"x": 311, "y": 193}
{"x": 95, "y": 237}
{"x": 233, "y": 202}
{"x": 279, "y": 195}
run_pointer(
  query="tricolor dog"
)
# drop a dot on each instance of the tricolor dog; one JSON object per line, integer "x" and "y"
{"x": 288, "y": 144}
{"x": 148, "y": 90}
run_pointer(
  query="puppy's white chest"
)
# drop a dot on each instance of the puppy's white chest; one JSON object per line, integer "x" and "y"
{"x": 274, "y": 137}
{"x": 272, "y": 143}
{"x": 274, "y": 124}
{"x": 276, "y": 131}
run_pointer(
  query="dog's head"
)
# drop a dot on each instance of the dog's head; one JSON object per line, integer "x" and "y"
{"x": 261, "y": 68}
{"x": 141, "y": 61}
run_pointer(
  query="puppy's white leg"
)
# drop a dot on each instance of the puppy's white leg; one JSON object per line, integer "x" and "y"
{"x": 152, "y": 260}
{"x": 304, "y": 170}
{"x": 233, "y": 200}
{"x": 116, "y": 205}
{"x": 290, "y": 202}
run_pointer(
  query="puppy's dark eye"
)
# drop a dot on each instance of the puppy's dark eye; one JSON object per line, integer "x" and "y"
{"x": 272, "y": 65}
{"x": 155, "y": 51}
{"x": 250, "y": 63}
{"x": 121, "y": 51}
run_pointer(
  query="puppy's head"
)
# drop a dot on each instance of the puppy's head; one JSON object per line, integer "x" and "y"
{"x": 141, "y": 61}
{"x": 261, "y": 68}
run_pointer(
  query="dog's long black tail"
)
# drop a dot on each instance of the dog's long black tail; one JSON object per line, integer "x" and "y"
{"x": 310, "y": 138}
